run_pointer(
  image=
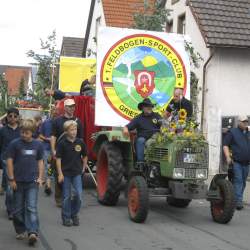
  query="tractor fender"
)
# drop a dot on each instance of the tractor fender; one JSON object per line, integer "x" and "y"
{"x": 99, "y": 141}
{"x": 217, "y": 177}
{"x": 115, "y": 136}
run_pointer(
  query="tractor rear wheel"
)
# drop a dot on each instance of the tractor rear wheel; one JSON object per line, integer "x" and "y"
{"x": 182, "y": 203}
{"x": 223, "y": 210}
{"x": 109, "y": 174}
{"x": 138, "y": 199}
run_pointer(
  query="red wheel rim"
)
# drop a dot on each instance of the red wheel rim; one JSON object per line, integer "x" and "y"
{"x": 102, "y": 174}
{"x": 218, "y": 206}
{"x": 133, "y": 201}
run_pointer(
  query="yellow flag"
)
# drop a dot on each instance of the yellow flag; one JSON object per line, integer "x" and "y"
{"x": 73, "y": 71}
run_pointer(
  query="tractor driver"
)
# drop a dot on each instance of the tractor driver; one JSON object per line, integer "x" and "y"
{"x": 146, "y": 124}
{"x": 179, "y": 102}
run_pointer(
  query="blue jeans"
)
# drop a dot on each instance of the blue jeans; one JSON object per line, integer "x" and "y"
{"x": 71, "y": 207}
{"x": 9, "y": 192}
{"x": 140, "y": 146}
{"x": 25, "y": 215}
{"x": 240, "y": 173}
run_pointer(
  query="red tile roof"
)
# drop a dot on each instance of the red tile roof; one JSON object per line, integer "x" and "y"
{"x": 119, "y": 13}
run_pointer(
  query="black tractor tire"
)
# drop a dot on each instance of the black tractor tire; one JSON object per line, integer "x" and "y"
{"x": 182, "y": 203}
{"x": 138, "y": 199}
{"x": 109, "y": 174}
{"x": 222, "y": 211}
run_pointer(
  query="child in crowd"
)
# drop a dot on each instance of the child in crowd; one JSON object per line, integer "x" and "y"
{"x": 25, "y": 174}
{"x": 71, "y": 161}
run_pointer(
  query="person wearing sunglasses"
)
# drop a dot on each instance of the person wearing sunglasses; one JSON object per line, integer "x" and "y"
{"x": 8, "y": 133}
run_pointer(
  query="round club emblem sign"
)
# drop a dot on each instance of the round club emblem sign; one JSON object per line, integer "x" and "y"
{"x": 137, "y": 67}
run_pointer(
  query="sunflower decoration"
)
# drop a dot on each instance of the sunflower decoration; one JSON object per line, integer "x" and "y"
{"x": 164, "y": 130}
{"x": 182, "y": 114}
{"x": 173, "y": 125}
{"x": 181, "y": 122}
{"x": 172, "y": 134}
{"x": 187, "y": 133}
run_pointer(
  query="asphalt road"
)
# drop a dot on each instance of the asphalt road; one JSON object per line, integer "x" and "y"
{"x": 108, "y": 228}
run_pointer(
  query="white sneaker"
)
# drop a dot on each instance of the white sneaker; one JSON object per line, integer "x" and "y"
{"x": 20, "y": 236}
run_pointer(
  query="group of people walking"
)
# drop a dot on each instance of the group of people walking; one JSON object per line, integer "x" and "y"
{"x": 25, "y": 146}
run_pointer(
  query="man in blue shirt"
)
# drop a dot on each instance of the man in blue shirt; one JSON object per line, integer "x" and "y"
{"x": 146, "y": 124}
{"x": 238, "y": 140}
{"x": 8, "y": 133}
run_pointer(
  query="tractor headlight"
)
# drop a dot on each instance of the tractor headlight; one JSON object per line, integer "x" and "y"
{"x": 201, "y": 173}
{"x": 179, "y": 173}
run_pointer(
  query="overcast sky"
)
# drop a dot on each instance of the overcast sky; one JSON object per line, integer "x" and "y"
{"x": 24, "y": 22}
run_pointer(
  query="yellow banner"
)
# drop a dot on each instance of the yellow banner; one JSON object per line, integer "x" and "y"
{"x": 73, "y": 71}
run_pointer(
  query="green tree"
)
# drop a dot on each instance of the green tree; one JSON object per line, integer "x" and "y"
{"x": 195, "y": 60}
{"x": 153, "y": 16}
{"x": 21, "y": 90}
{"x": 3, "y": 94}
{"x": 45, "y": 63}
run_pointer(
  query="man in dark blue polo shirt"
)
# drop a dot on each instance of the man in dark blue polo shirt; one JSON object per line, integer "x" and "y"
{"x": 146, "y": 124}
{"x": 238, "y": 139}
{"x": 8, "y": 133}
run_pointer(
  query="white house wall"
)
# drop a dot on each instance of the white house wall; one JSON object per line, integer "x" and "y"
{"x": 227, "y": 94}
{"x": 228, "y": 78}
{"x": 98, "y": 12}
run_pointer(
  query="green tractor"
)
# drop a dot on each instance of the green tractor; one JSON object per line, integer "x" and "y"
{"x": 176, "y": 169}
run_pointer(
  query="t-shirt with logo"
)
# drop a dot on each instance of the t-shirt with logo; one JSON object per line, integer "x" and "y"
{"x": 57, "y": 127}
{"x": 25, "y": 157}
{"x": 146, "y": 125}
{"x": 71, "y": 154}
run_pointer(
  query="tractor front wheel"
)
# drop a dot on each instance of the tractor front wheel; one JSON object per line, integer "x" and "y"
{"x": 109, "y": 174}
{"x": 138, "y": 199}
{"x": 223, "y": 210}
{"x": 182, "y": 203}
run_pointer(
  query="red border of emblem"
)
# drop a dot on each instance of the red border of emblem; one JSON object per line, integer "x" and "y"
{"x": 120, "y": 41}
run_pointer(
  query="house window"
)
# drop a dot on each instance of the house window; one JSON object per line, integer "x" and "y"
{"x": 174, "y": 1}
{"x": 169, "y": 26}
{"x": 181, "y": 29}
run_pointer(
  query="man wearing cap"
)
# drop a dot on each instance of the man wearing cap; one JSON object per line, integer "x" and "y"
{"x": 179, "y": 102}
{"x": 146, "y": 124}
{"x": 8, "y": 133}
{"x": 238, "y": 140}
{"x": 58, "y": 135}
